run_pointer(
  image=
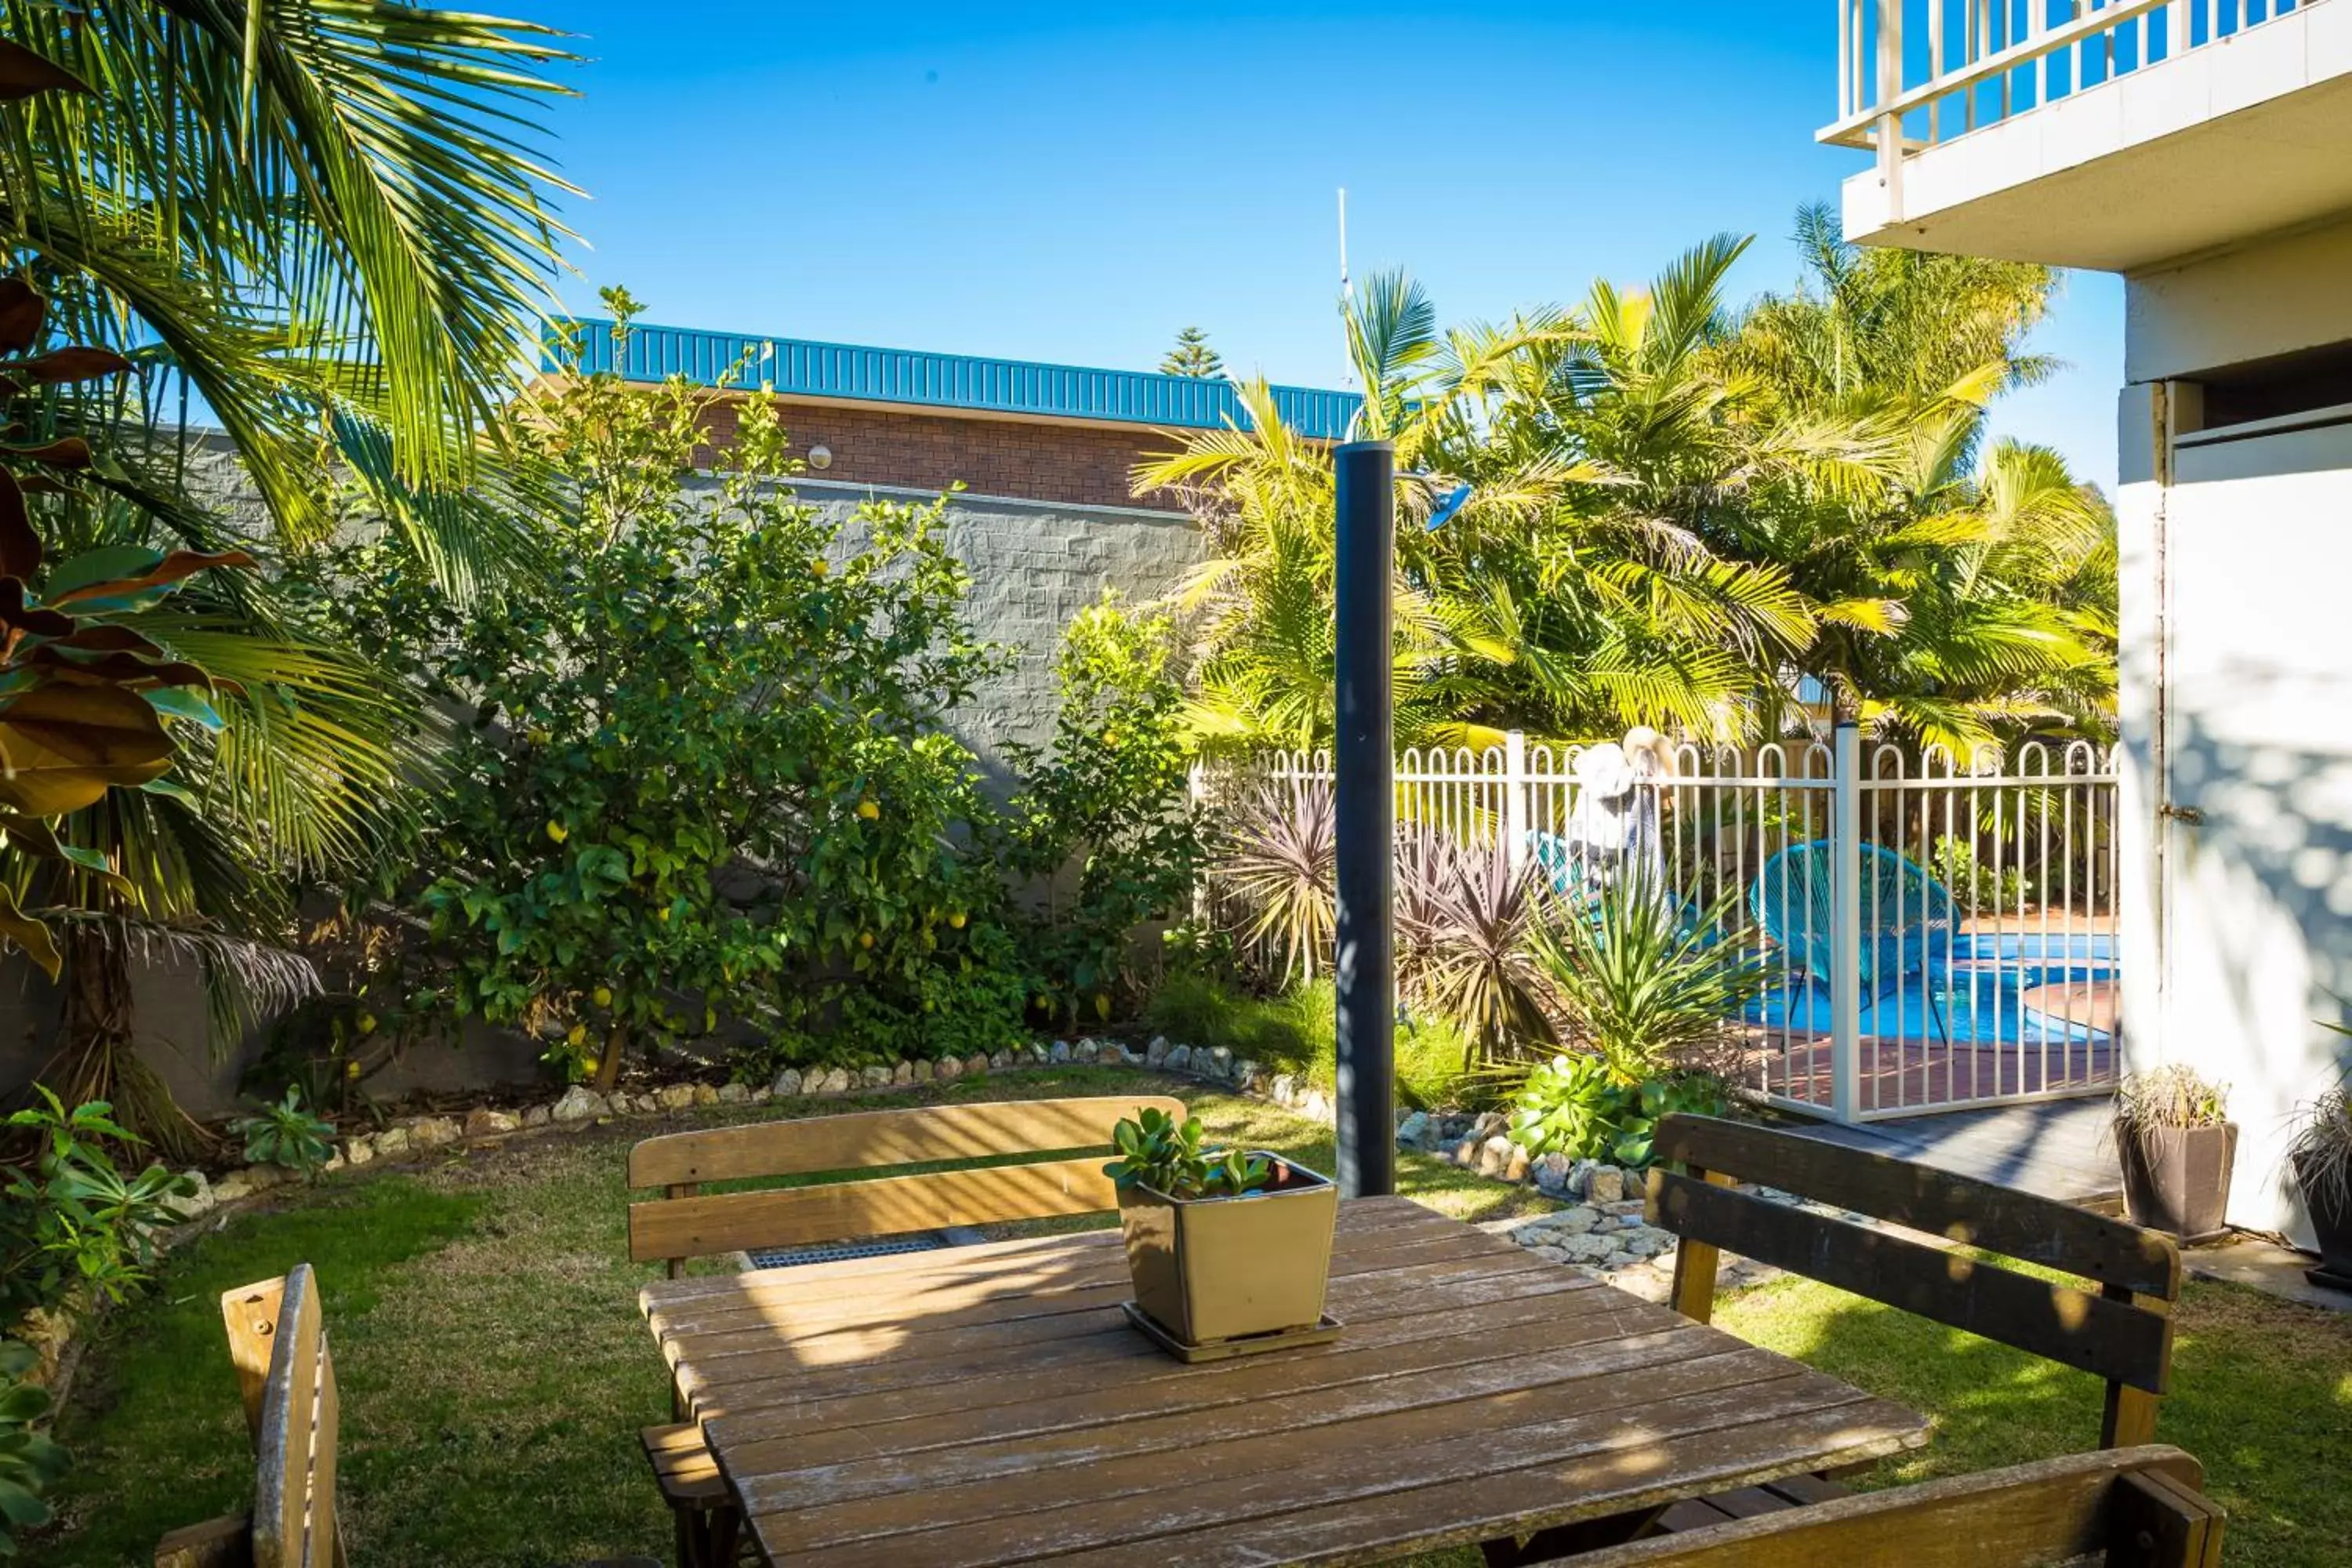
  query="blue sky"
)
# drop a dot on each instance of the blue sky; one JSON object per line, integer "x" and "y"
{"x": 1074, "y": 182}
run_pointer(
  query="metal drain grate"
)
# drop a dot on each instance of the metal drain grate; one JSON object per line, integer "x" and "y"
{"x": 872, "y": 1246}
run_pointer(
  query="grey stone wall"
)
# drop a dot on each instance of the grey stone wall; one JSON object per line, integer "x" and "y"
{"x": 1033, "y": 565}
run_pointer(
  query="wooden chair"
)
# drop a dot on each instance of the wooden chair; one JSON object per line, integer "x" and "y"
{"x": 277, "y": 1341}
{"x": 2125, "y": 1508}
{"x": 685, "y": 1222}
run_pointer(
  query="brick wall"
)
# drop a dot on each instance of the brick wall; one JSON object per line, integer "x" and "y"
{"x": 1073, "y": 464}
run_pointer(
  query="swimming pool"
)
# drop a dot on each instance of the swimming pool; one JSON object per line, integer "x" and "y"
{"x": 1978, "y": 996}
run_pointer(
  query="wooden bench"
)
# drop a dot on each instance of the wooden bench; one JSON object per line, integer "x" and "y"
{"x": 2125, "y": 1508}
{"x": 2116, "y": 1324}
{"x": 687, "y": 1222}
{"x": 277, "y": 1342}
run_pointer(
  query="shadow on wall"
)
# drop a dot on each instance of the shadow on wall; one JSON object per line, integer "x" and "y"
{"x": 2259, "y": 950}
{"x": 174, "y": 1038}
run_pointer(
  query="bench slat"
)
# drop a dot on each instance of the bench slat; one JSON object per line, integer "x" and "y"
{"x": 870, "y": 1139}
{"x": 886, "y": 1205}
{"x": 2111, "y": 1339}
{"x": 282, "y": 1537}
{"x": 2029, "y": 1514}
{"x": 1959, "y": 1208}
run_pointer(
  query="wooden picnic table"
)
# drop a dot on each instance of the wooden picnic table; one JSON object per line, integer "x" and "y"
{"x": 989, "y": 1404}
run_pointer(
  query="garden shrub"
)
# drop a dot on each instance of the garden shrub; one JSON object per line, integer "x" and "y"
{"x": 1102, "y": 822}
{"x": 1575, "y": 1105}
{"x": 701, "y": 778}
{"x": 29, "y": 1462}
{"x": 702, "y": 793}
{"x": 1978, "y": 887}
{"x": 72, "y": 1218}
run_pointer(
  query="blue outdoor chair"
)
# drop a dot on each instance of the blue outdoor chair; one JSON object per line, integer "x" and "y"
{"x": 1909, "y": 920}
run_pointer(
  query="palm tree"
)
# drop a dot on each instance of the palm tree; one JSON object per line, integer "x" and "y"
{"x": 323, "y": 219}
{"x": 1960, "y": 593}
{"x": 291, "y": 771}
{"x": 1574, "y": 592}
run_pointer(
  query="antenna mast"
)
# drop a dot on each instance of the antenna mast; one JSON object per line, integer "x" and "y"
{"x": 1347, "y": 287}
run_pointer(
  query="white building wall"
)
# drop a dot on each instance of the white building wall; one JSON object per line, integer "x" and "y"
{"x": 2287, "y": 294}
{"x": 2236, "y": 699}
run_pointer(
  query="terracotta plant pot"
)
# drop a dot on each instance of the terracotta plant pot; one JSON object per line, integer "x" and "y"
{"x": 1212, "y": 1269}
{"x": 2331, "y": 1216}
{"x": 2177, "y": 1179}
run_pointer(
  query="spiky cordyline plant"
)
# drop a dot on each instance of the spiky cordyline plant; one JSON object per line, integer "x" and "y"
{"x": 1280, "y": 866}
{"x": 1644, "y": 980}
{"x": 1475, "y": 965}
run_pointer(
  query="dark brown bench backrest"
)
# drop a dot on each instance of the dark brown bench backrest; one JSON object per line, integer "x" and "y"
{"x": 685, "y": 1223}
{"x": 2119, "y": 1328}
{"x": 2126, "y": 1506}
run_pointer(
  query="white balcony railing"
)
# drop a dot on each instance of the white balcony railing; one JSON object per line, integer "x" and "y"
{"x": 1914, "y": 73}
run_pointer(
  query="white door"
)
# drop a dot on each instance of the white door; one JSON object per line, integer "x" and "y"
{"x": 2257, "y": 891}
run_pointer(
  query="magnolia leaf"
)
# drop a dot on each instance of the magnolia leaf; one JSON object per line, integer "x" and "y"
{"x": 75, "y": 667}
{"x": 104, "y": 638}
{"x": 30, "y": 935}
{"x": 106, "y": 563}
{"x": 20, "y": 310}
{"x": 73, "y": 363}
{"x": 20, "y": 547}
{"x": 39, "y": 839}
{"x": 65, "y": 452}
{"x": 125, "y": 592}
{"x": 23, "y": 74}
{"x": 18, "y": 612}
{"x": 63, "y": 747}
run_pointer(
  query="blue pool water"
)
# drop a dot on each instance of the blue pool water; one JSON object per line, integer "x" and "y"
{"x": 1977, "y": 998}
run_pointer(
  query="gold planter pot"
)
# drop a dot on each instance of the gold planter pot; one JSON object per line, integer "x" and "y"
{"x": 1212, "y": 1270}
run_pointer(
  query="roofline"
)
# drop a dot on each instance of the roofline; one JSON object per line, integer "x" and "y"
{"x": 802, "y": 368}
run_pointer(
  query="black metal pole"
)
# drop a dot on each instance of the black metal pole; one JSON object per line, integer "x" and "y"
{"x": 1364, "y": 765}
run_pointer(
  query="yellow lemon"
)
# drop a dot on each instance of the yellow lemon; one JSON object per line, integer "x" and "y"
{"x": 365, "y": 1022}
{"x": 865, "y": 939}
{"x": 665, "y": 914}
{"x": 817, "y": 568}
{"x": 1102, "y": 1005}
{"x": 576, "y": 1035}
{"x": 869, "y": 811}
{"x": 588, "y": 1066}
{"x": 351, "y": 1069}
{"x": 603, "y": 996}
{"x": 557, "y": 831}
{"x": 956, "y": 919}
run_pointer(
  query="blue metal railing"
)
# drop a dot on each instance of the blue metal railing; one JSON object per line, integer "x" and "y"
{"x": 793, "y": 367}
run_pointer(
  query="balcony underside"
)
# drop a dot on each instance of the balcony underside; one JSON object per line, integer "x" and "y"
{"x": 2240, "y": 139}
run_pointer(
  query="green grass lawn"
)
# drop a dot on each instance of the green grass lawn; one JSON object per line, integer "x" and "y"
{"x": 494, "y": 1369}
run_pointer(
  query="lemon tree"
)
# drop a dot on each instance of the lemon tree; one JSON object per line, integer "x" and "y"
{"x": 697, "y": 782}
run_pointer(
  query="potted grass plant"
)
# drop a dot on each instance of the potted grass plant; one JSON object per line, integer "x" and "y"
{"x": 1225, "y": 1244}
{"x": 2322, "y": 1156}
{"x": 2177, "y": 1144}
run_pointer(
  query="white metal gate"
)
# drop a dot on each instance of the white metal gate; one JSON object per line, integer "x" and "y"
{"x": 1940, "y": 933}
